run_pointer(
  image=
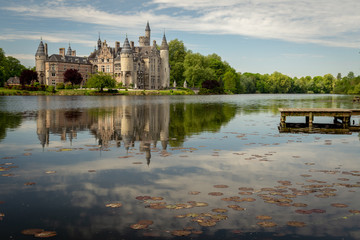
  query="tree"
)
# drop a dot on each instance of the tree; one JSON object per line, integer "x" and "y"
{"x": 28, "y": 76}
{"x": 73, "y": 76}
{"x": 230, "y": 81}
{"x": 100, "y": 81}
{"x": 177, "y": 53}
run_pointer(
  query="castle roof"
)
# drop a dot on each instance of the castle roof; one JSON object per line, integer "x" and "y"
{"x": 164, "y": 45}
{"x": 68, "y": 59}
{"x": 41, "y": 49}
{"x": 126, "y": 47}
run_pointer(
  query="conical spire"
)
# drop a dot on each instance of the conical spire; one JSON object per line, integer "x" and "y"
{"x": 69, "y": 50}
{"x": 41, "y": 49}
{"x": 99, "y": 42}
{"x": 164, "y": 45}
{"x": 147, "y": 29}
{"x": 126, "y": 47}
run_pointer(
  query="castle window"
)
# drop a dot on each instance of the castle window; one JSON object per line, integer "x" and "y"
{"x": 52, "y": 67}
{"x": 53, "y": 74}
{"x": 103, "y": 68}
{"x": 107, "y": 68}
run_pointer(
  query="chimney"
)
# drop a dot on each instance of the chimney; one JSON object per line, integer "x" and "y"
{"x": 62, "y": 51}
{"x": 117, "y": 47}
{"x": 132, "y": 45}
{"x": 73, "y": 53}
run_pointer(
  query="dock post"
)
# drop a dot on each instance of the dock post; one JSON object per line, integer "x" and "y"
{"x": 311, "y": 119}
{"x": 283, "y": 120}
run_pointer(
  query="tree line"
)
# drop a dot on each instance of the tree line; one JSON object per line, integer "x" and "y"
{"x": 213, "y": 75}
{"x": 209, "y": 73}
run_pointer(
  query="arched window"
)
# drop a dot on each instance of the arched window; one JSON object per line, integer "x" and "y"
{"x": 103, "y": 68}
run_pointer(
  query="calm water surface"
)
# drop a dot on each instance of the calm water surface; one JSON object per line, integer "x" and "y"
{"x": 214, "y": 167}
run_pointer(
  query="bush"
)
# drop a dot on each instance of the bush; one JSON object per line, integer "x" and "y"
{"x": 50, "y": 89}
{"x": 60, "y": 86}
{"x": 69, "y": 86}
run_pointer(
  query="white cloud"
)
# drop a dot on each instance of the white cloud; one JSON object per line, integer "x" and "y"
{"x": 22, "y": 56}
{"x": 324, "y": 22}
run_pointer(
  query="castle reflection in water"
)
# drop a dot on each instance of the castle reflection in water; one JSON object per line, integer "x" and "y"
{"x": 123, "y": 125}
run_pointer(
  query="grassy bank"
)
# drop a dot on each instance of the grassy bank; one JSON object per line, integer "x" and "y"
{"x": 90, "y": 92}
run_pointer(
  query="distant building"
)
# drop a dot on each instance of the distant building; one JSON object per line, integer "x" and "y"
{"x": 143, "y": 67}
{"x": 13, "y": 81}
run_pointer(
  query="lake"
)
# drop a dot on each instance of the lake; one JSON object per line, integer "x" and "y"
{"x": 184, "y": 167}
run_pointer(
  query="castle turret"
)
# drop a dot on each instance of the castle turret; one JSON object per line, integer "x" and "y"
{"x": 165, "y": 65}
{"x": 148, "y": 32}
{"x": 99, "y": 42}
{"x": 69, "y": 51}
{"x": 127, "y": 64}
{"x": 40, "y": 58}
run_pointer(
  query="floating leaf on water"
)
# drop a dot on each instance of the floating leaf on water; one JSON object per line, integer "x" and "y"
{"x": 236, "y": 207}
{"x": 193, "y": 193}
{"x": 180, "y": 233}
{"x": 200, "y": 204}
{"x": 137, "y": 163}
{"x": 263, "y": 217}
{"x": 300, "y": 205}
{"x": 145, "y": 222}
{"x": 318, "y": 211}
{"x": 339, "y": 205}
{"x": 245, "y": 193}
{"x": 181, "y": 216}
{"x": 305, "y": 175}
{"x": 50, "y": 172}
{"x": 32, "y": 231}
{"x": 309, "y": 164}
{"x": 355, "y": 211}
{"x": 157, "y": 198}
{"x": 300, "y": 211}
{"x": 91, "y": 170}
{"x": 7, "y": 175}
{"x": 29, "y": 183}
{"x": 113, "y": 205}
{"x": 285, "y": 183}
{"x": 268, "y": 189}
{"x": 296, "y": 224}
{"x": 137, "y": 226}
{"x": 219, "y": 217}
{"x": 157, "y": 205}
{"x": 215, "y": 194}
{"x": 207, "y": 223}
{"x": 193, "y": 215}
{"x": 283, "y": 204}
{"x": 246, "y": 189}
{"x": 219, "y": 210}
{"x": 343, "y": 179}
{"x": 221, "y": 186}
{"x": 45, "y": 234}
{"x": 267, "y": 224}
{"x": 143, "y": 197}
{"x": 248, "y": 199}
{"x": 197, "y": 232}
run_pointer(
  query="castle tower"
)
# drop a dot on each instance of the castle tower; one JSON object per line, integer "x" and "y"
{"x": 40, "y": 58}
{"x": 165, "y": 65}
{"x": 99, "y": 42}
{"x": 127, "y": 64}
{"x": 148, "y": 32}
{"x": 69, "y": 51}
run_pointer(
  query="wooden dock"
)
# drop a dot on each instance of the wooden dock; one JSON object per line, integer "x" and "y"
{"x": 338, "y": 114}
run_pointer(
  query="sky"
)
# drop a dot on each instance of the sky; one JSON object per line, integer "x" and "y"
{"x": 297, "y": 38}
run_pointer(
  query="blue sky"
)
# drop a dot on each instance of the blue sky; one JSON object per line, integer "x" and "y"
{"x": 297, "y": 38}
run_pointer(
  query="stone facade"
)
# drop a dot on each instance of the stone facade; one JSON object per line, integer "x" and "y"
{"x": 139, "y": 67}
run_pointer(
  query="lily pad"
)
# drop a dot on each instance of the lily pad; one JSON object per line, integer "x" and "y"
{"x": 193, "y": 193}
{"x": 219, "y": 210}
{"x": 145, "y": 222}
{"x": 267, "y": 224}
{"x": 263, "y": 217}
{"x": 236, "y": 207}
{"x": 45, "y": 234}
{"x": 180, "y": 233}
{"x": 221, "y": 186}
{"x": 207, "y": 223}
{"x": 137, "y": 226}
{"x": 114, "y": 205}
{"x": 29, "y": 183}
{"x": 296, "y": 224}
{"x": 339, "y": 205}
{"x": 32, "y": 231}
{"x": 215, "y": 194}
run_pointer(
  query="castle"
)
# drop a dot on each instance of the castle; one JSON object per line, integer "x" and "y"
{"x": 141, "y": 67}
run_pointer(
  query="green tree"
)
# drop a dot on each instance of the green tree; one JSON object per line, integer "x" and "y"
{"x": 197, "y": 70}
{"x": 279, "y": 83}
{"x": 230, "y": 81}
{"x": 100, "y": 81}
{"x": 9, "y": 67}
{"x": 177, "y": 53}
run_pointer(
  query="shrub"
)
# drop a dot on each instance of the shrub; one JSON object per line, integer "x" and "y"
{"x": 50, "y": 89}
{"x": 60, "y": 86}
{"x": 68, "y": 86}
